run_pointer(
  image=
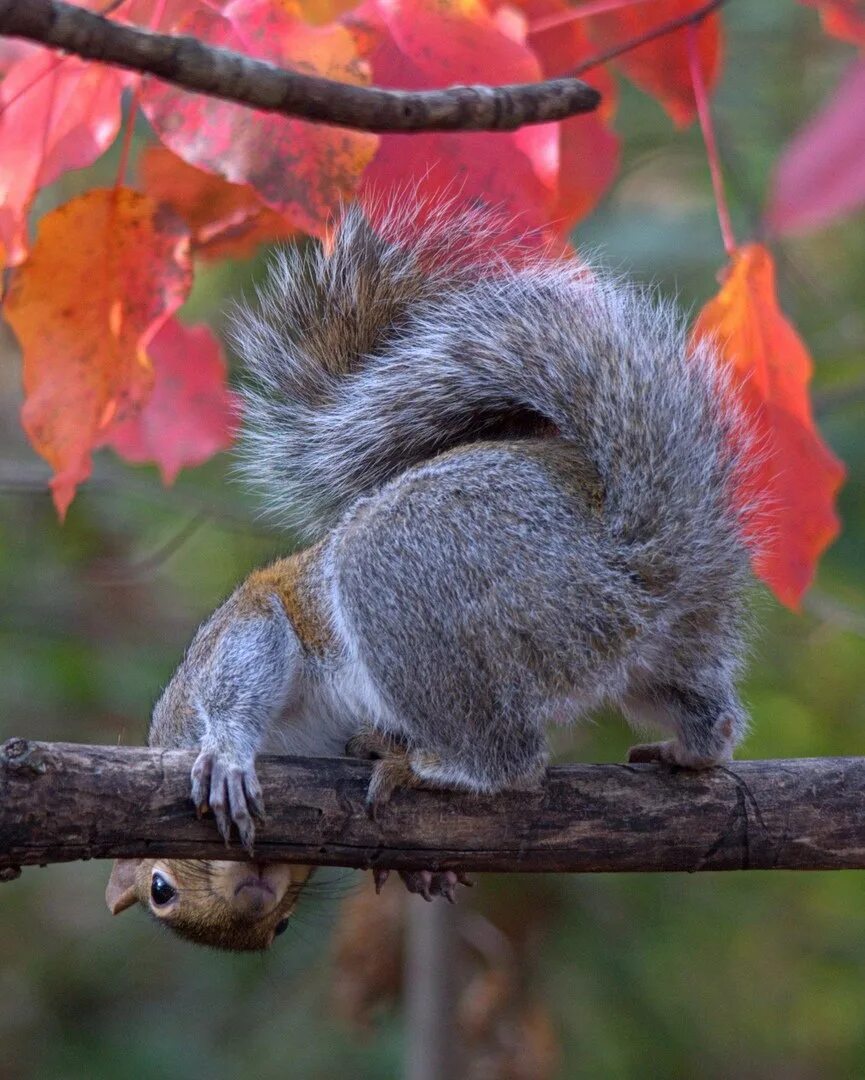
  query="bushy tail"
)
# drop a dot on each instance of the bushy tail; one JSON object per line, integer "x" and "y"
{"x": 325, "y": 316}
{"x": 381, "y": 352}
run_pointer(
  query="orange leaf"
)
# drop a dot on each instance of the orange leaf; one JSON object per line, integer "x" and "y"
{"x": 226, "y": 220}
{"x": 300, "y": 170}
{"x": 105, "y": 272}
{"x": 324, "y": 11}
{"x": 191, "y": 414}
{"x": 795, "y": 481}
{"x": 56, "y": 114}
{"x": 660, "y": 67}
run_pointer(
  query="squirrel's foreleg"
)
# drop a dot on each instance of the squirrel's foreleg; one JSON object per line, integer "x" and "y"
{"x": 237, "y": 676}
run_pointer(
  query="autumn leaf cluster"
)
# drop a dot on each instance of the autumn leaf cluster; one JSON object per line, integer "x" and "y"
{"x": 94, "y": 287}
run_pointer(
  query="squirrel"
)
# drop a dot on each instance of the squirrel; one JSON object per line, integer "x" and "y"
{"x": 517, "y": 479}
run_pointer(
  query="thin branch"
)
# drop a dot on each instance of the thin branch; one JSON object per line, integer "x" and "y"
{"x": 432, "y": 1049}
{"x": 61, "y": 801}
{"x": 670, "y": 27}
{"x": 834, "y": 613}
{"x": 584, "y": 11}
{"x": 120, "y": 572}
{"x": 192, "y": 65}
{"x": 30, "y": 479}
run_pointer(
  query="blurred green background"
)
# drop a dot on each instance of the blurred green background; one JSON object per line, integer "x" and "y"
{"x": 737, "y": 975}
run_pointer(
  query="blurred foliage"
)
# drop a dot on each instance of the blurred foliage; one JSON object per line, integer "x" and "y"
{"x": 738, "y": 975}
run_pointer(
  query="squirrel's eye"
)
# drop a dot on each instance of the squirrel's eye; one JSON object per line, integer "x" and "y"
{"x": 161, "y": 891}
{"x": 281, "y": 927}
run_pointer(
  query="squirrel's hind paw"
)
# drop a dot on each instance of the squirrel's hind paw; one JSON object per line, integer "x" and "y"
{"x": 389, "y": 774}
{"x": 392, "y": 770}
{"x": 230, "y": 789}
{"x": 432, "y": 883}
{"x": 427, "y": 883}
{"x": 671, "y": 752}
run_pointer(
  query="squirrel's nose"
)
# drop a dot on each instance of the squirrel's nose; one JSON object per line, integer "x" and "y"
{"x": 254, "y": 897}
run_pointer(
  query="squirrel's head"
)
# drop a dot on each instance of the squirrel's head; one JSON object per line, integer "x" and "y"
{"x": 240, "y": 906}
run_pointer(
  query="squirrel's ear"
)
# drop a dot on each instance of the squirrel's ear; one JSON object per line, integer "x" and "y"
{"x": 120, "y": 891}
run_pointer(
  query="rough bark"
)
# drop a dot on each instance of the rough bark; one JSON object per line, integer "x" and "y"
{"x": 62, "y": 801}
{"x": 206, "y": 69}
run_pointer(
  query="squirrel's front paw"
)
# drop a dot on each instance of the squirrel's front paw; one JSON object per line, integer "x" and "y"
{"x": 230, "y": 788}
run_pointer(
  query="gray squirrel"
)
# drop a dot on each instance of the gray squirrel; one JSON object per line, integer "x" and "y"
{"x": 517, "y": 481}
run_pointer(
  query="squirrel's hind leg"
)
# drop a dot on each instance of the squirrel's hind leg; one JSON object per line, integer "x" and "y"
{"x": 397, "y": 766}
{"x": 453, "y": 591}
{"x": 691, "y": 691}
{"x": 393, "y": 770}
{"x": 707, "y": 723}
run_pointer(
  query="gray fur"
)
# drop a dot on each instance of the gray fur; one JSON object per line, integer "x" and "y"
{"x": 586, "y": 551}
{"x": 236, "y": 676}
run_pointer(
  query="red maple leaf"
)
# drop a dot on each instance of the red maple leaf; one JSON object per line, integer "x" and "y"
{"x": 56, "y": 113}
{"x": 420, "y": 46}
{"x": 660, "y": 67}
{"x": 588, "y": 146}
{"x": 303, "y": 171}
{"x": 820, "y": 176}
{"x": 190, "y": 414}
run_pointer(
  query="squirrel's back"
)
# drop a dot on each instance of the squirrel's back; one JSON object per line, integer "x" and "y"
{"x": 395, "y": 343}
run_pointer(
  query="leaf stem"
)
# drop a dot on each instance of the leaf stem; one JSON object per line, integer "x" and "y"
{"x": 33, "y": 82}
{"x": 128, "y": 130}
{"x": 701, "y": 99}
{"x": 135, "y": 101}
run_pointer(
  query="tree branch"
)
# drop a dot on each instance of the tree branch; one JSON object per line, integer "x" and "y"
{"x": 61, "y": 801}
{"x": 205, "y": 69}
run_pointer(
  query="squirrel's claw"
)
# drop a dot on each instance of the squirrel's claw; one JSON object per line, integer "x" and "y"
{"x": 420, "y": 882}
{"x": 254, "y": 795}
{"x": 231, "y": 791}
{"x": 379, "y": 877}
{"x": 426, "y": 883}
{"x": 389, "y": 774}
{"x": 200, "y": 778}
{"x": 450, "y": 880}
{"x": 432, "y": 883}
{"x": 392, "y": 769}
